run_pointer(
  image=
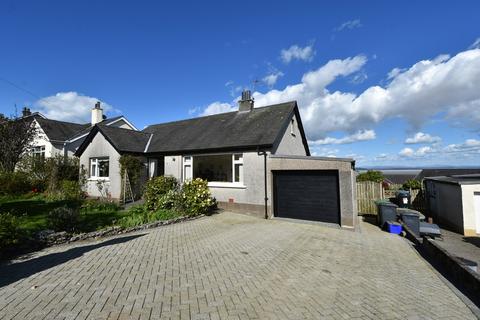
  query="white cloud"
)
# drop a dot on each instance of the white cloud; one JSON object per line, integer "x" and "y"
{"x": 475, "y": 44}
{"x": 467, "y": 148}
{"x": 272, "y": 78}
{"x": 428, "y": 88}
{"x": 325, "y": 152}
{"x": 351, "y": 24}
{"x": 69, "y": 106}
{"x": 297, "y": 53}
{"x": 406, "y": 152}
{"x": 362, "y": 135}
{"x": 421, "y": 137}
{"x": 218, "y": 107}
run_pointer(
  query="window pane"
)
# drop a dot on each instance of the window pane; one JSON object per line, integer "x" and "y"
{"x": 238, "y": 172}
{"x": 188, "y": 172}
{"x": 213, "y": 168}
{"x": 238, "y": 157}
{"x": 93, "y": 170}
{"x": 103, "y": 168}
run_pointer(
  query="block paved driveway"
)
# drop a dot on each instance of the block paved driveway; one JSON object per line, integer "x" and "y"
{"x": 230, "y": 266}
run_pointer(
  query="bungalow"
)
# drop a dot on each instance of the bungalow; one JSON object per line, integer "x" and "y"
{"x": 255, "y": 160}
{"x": 63, "y": 138}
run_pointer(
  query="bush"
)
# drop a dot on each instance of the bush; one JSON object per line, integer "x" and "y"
{"x": 14, "y": 183}
{"x": 197, "y": 198}
{"x": 371, "y": 175}
{"x": 64, "y": 219}
{"x": 49, "y": 173}
{"x": 69, "y": 190}
{"x": 412, "y": 184}
{"x": 132, "y": 165}
{"x": 156, "y": 189}
{"x": 96, "y": 205}
{"x": 10, "y": 233}
{"x": 139, "y": 215}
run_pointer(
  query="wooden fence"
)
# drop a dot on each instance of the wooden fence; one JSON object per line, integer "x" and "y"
{"x": 368, "y": 192}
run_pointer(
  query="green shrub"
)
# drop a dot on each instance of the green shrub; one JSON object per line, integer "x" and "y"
{"x": 14, "y": 183}
{"x": 132, "y": 165}
{"x": 10, "y": 233}
{"x": 412, "y": 184}
{"x": 64, "y": 219}
{"x": 197, "y": 198}
{"x": 97, "y": 205}
{"x": 371, "y": 175}
{"x": 69, "y": 190}
{"x": 156, "y": 189}
{"x": 137, "y": 215}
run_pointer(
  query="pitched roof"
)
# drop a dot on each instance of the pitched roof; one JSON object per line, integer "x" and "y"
{"x": 425, "y": 173}
{"x": 123, "y": 140}
{"x": 89, "y": 127}
{"x": 398, "y": 178}
{"x": 59, "y": 130}
{"x": 258, "y": 128}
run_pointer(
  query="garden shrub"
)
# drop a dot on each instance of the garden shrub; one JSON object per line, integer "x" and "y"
{"x": 64, "y": 219}
{"x": 139, "y": 215}
{"x": 97, "y": 205}
{"x": 197, "y": 198}
{"x": 14, "y": 183}
{"x": 69, "y": 190}
{"x": 412, "y": 184}
{"x": 132, "y": 165}
{"x": 10, "y": 233}
{"x": 156, "y": 189}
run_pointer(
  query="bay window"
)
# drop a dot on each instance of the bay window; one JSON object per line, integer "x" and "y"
{"x": 221, "y": 168}
{"x": 99, "y": 167}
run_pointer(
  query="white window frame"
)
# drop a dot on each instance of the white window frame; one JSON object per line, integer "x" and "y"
{"x": 188, "y": 163}
{"x": 292, "y": 127}
{"x": 94, "y": 173}
{"x": 38, "y": 150}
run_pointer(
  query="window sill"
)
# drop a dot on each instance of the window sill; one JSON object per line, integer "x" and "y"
{"x": 98, "y": 179}
{"x": 231, "y": 185}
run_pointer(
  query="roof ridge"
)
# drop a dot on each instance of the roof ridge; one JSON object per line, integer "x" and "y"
{"x": 217, "y": 114}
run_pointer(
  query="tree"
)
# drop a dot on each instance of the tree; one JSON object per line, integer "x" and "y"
{"x": 412, "y": 184}
{"x": 371, "y": 175}
{"x": 16, "y": 138}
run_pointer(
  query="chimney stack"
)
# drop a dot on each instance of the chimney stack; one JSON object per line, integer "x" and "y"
{"x": 97, "y": 114}
{"x": 26, "y": 112}
{"x": 246, "y": 103}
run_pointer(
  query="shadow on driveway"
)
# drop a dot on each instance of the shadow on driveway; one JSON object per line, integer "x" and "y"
{"x": 16, "y": 271}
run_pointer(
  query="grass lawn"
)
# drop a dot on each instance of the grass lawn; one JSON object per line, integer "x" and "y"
{"x": 32, "y": 213}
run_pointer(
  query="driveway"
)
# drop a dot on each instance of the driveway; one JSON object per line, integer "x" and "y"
{"x": 230, "y": 266}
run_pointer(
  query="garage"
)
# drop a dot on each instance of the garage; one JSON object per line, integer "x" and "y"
{"x": 307, "y": 195}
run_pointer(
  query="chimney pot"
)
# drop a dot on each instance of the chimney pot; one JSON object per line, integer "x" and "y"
{"x": 26, "y": 112}
{"x": 97, "y": 114}
{"x": 246, "y": 103}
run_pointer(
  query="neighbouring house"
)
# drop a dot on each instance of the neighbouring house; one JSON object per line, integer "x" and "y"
{"x": 63, "y": 138}
{"x": 454, "y": 202}
{"x": 255, "y": 160}
{"x": 394, "y": 178}
{"x": 439, "y": 172}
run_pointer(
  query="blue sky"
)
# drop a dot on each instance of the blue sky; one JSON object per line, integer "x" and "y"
{"x": 368, "y": 75}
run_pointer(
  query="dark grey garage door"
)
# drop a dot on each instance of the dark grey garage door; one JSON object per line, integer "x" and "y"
{"x": 307, "y": 195}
